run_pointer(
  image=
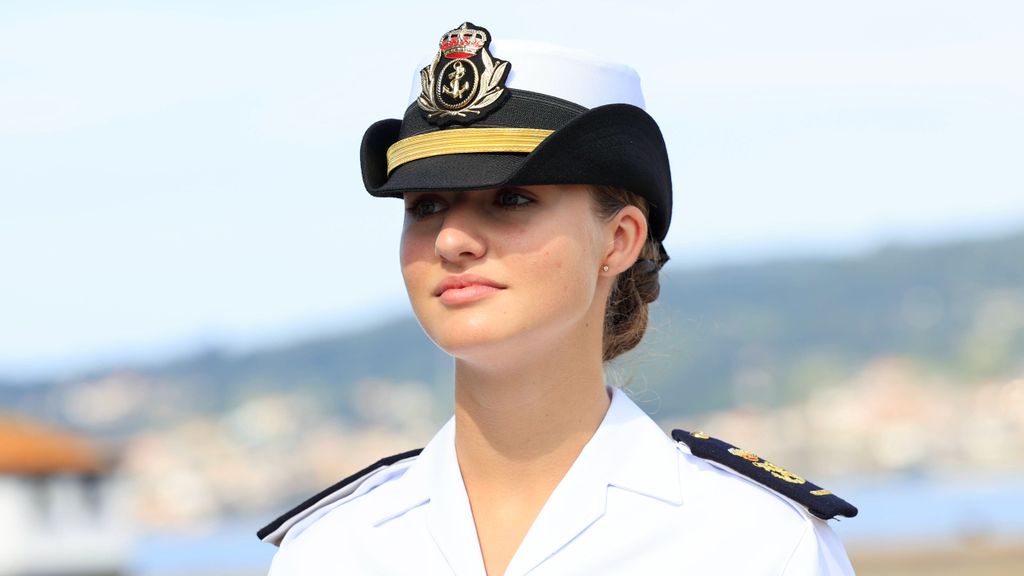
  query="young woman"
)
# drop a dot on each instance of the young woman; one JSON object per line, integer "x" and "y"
{"x": 537, "y": 194}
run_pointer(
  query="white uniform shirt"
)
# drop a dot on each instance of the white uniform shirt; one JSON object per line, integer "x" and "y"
{"x": 634, "y": 502}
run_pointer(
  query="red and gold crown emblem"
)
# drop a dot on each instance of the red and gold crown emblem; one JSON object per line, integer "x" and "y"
{"x": 469, "y": 84}
{"x": 463, "y": 42}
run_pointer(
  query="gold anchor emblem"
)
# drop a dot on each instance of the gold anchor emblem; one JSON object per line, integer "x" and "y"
{"x": 454, "y": 89}
{"x": 777, "y": 471}
{"x": 464, "y": 82}
{"x": 780, "y": 473}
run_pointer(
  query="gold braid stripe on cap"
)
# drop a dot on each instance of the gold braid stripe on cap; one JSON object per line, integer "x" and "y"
{"x": 464, "y": 141}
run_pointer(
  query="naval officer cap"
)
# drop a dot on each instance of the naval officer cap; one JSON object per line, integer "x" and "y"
{"x": 517, "y": 113}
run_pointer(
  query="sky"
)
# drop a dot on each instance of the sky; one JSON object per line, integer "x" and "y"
{"x": 182, "y": 175}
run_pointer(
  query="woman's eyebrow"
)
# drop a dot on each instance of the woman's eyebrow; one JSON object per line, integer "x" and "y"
{"x": 420, "y": 193}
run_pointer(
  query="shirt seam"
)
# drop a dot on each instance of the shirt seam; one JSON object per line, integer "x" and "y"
{"x": 792, "y": 553}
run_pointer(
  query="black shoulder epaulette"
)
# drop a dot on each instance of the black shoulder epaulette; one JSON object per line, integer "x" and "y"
{"x": 818, "y": 501}
{"x": 328, "y": 495}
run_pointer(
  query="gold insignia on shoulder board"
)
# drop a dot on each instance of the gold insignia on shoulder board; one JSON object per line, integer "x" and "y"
{"x": 700, "y": 435}
{"x": 744, "y": 454}
{"x": 821, "y": 492}
{"x": 779, "y": 472}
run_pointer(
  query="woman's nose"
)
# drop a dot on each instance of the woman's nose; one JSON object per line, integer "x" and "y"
{"x": 460, "y": 237}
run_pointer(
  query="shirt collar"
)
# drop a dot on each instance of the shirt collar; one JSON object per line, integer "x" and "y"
{"x": 434, "y": 479}
{"x": 415, "y": 486}
{"x": 638, "y": 455}
{"x": 628, "y": 451}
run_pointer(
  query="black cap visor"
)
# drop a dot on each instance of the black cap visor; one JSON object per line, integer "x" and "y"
{"x": 616, "y": 144}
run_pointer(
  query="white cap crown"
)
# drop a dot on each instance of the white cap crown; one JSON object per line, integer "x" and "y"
{"x": 565, "y": 73}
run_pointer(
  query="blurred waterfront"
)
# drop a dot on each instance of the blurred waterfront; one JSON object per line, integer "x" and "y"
{"x": 936, "y": 473}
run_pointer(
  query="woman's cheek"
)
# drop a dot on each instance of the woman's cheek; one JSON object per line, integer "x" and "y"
{"x": 414, "y": 274}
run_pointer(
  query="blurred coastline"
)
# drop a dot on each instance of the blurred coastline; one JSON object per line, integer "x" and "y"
{"x": 908, "y": 455}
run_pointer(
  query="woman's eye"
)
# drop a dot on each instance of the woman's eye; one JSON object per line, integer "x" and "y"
{"x": 425, "y": 207}
{"x": 512, "y": 200}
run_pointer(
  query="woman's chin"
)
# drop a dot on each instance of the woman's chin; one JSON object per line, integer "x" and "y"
{"x": 499, "y": 344}
{"x": 479, "y": 342}
{"x": 467, "y": 343}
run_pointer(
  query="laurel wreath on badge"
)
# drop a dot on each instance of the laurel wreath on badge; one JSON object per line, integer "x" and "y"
{"x": 490, "y": 82}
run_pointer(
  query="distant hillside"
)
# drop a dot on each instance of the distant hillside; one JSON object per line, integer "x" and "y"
{"x": 763, "y": 333}
{"x": 769, "y": 333}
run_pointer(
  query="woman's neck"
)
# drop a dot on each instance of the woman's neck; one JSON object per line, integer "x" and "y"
{"x": 530, "y": 421}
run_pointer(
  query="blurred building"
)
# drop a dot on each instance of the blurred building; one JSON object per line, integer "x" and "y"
{"x": 62, "y": 508}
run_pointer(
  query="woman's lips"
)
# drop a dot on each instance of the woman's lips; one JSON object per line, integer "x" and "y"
{"x": 468, "y": 294}
{"x": 465, "y": 288}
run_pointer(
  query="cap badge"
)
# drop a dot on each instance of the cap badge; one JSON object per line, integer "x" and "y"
{"x": 464, "y": 83}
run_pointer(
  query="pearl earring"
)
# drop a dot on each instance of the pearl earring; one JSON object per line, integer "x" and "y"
{"x": 604, "y": 268}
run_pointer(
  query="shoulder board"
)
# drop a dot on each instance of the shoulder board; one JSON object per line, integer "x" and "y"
{"x": 818, "y": 501}
{"x": 273, "y": 532}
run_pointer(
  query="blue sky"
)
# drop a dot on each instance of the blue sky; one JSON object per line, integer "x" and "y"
{"x": 182, "y": 174}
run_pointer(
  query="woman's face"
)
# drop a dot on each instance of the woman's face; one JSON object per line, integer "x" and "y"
{"x": 491, "y": 270}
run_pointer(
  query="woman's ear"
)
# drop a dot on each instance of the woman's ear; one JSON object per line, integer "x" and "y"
{"x": 627, "y": 234}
